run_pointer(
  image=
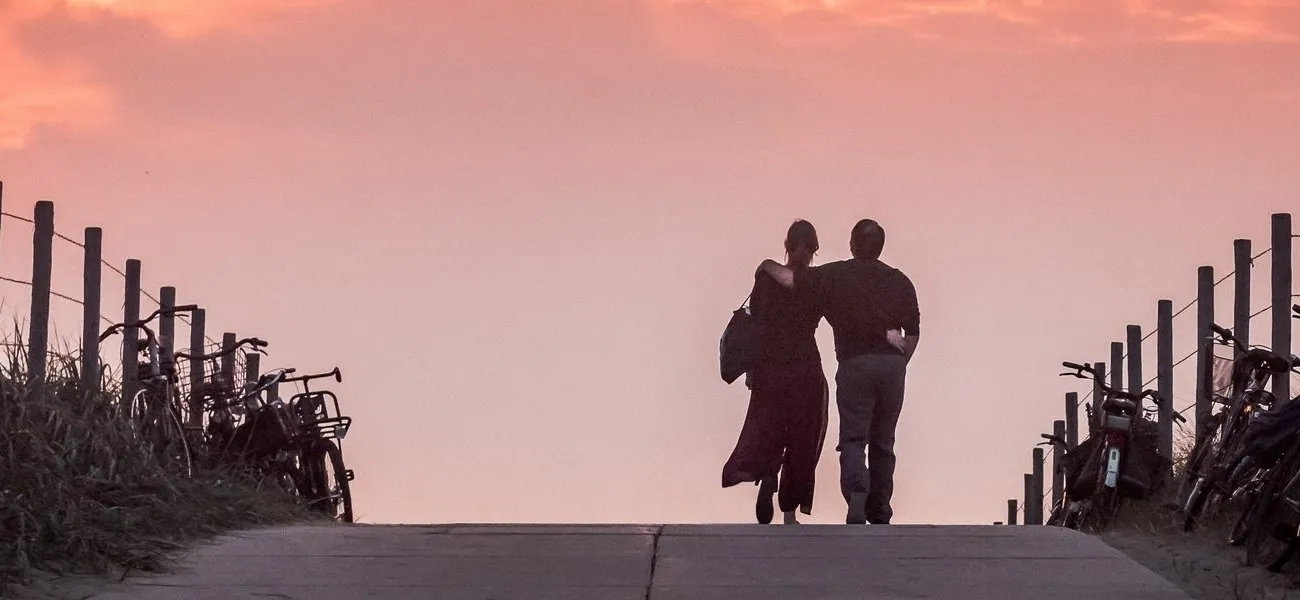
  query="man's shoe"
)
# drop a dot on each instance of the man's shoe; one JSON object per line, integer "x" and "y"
{"x": 857, "y": 509}
{"x": 763, "y": 508}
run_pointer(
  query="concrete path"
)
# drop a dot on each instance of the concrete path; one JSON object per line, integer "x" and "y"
{"x": 674, "y": 562}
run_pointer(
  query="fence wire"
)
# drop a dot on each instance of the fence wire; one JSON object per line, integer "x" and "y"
{"x": 1220, "y": 366}
{"x": 182, "y": 367}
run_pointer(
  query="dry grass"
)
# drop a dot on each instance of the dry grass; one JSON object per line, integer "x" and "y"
{"x": 79, "y": 495}
{"x": 1202, "y": 562}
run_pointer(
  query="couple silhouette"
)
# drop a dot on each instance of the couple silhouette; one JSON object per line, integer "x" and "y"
{"x": 873, "y": 312}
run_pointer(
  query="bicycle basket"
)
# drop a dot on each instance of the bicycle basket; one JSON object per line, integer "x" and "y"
{"x": 1221, "y": 370}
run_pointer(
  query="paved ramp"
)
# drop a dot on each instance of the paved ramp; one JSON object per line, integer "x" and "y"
{"x": 674, "y": 562}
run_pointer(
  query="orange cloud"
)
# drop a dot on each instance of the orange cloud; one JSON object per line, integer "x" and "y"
{"x": 36, "y": 94}
{"x": 1204, "y": 21}
{"x": 33, "y": 94}
{"x": 187, "y": 18}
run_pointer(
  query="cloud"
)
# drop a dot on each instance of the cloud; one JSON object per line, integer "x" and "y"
{"x": 298, "y": 67}
{"x": 62, "y": 90}
{"x": 189, "y": 18}
{"x": 1050, "y": 21}
{"x": 35, "y": 95}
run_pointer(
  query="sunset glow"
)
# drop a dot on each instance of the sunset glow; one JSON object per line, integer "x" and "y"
{"x": 1073, "y": 21}
{"x": 519, "y": 226}
{"x": 67, "y": 95}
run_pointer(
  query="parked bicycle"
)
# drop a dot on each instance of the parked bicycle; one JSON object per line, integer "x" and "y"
{"x": 321, "y": 432}
{"x": 152, "y": 409}
{"x": 215, "y": 401}
{"x": 1273, "y": 536}
{"x": 1103, "y": 470}
{"x": 1217, "y": 469}
{"x": 293, "y": 443}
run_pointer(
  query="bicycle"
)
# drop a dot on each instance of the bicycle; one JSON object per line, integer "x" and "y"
{"x": 320, "y": 438}
{"x": 1216, "y": 470}
{"x": 1111, "y": 440}
{"x": 1061, "y": 515}
{"x": 1273, "y": 537}
{"x": 152, "y": 409}
{"x": 216, "y": 401}
{"x": 290, "y": 442}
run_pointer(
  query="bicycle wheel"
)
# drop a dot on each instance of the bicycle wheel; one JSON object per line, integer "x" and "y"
{"x": 157, "y": 425}
{"x": 1196, "y": 481}
{"x": 1104, "y": 503}
{"x": 287, "y": 477}
{"x": 1241, "y": 529}
{"x": 327, "y": 478}
{"x": 1271, "y": 540}
{"x": 175, "y": 448}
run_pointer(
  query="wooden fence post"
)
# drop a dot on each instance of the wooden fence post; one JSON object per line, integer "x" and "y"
{"x": 252, "y": 367}
{"x": 1058, "y": 465}
{"x": 1097, "y": 395}
{"x": 1117, "y": 365}
{"x": 228, "y": 361}
{"x": 1241, "y": 250}
{"x": 1011, "y": 511}
{"x": 1135, "y": 361}
{"x": 1204, "y": 346}
{"x": 166, "y": 327}
{"x": 166, "y": 322}
{"x": 1037, "y": 506}
{"x": 1282, "y": 301}
{"x": 131, "y": 337}
{"x": 1028, "y": 504}
{"x": 198, "y": 325}
{"x": 91, "y": 300}
{"x": 1165, "y": 375}
{"x": 42, "y": 268}
{"x": 1071, "y": 419}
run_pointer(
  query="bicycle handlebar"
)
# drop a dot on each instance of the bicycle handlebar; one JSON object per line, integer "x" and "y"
{"x": 256, "y": 343}
{"x": 265, "y": 381}
{"x": 1154, "y": 395}
{"x": 1079, "y": 369}
{"x": 144, "y": 323}
{"x": 1226, "y": 338}
{"x": 336, "y": 374}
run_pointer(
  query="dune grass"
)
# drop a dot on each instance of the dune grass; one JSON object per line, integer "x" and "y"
{"x": 78, "y": 494}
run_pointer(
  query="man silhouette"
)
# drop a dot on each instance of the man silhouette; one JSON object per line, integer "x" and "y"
{"x": 873, "y": 311}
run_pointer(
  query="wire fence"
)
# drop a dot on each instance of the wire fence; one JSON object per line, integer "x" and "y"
{"x": 1172, "y": 372}
{"x": 11, "y": 258}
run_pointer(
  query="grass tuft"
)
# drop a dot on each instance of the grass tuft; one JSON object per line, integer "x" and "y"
{"x": 78, "y": 494}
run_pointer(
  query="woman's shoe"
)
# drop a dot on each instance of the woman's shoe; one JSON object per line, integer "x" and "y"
{"x": 763, "y": 508}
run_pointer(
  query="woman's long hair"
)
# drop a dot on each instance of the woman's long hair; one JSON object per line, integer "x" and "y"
{"x": 801, "y": 243}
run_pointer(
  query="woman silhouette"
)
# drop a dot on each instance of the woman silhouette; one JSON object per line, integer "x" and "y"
{"x": 785, "y": 425}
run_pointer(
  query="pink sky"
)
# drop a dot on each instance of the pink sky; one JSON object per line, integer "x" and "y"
{"x": 519, "y": 227}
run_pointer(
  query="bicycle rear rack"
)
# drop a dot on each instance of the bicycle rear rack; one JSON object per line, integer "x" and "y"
{"x": 314, "y": 412}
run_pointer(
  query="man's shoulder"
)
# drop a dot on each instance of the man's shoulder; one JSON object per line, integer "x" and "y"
{"x": 895, "y": 271}
{"x": 835, "y": 266}
{"x": 900, "y": 280}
